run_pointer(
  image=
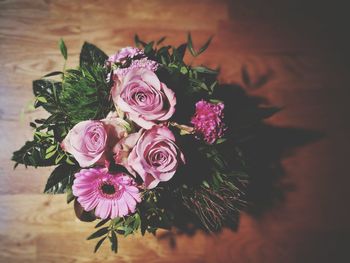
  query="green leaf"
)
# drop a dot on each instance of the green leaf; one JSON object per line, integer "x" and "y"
{"x": 49, "y": 90}
{"x": 51, "y": 148}
{"x": 191, "y": 48}
{"x": 205, "y": 70}
{"x": 205, "y": 183}
{"x": 213, "y": 85}
{"x": 215, "y": 101}
{"x": 220, "y": 140}
{"x": 205, "y": 46}
{"x": 70, "y": 196}
{"x": 99, "y": 243}
{"x": 69, "y": 161}
{"x": 184, "y": 70}
{"x": 128, "y": 231}
{"x": 117, "y": 220}
{"x": 59, "y": 158}
{"x": 181, "y": 50}
{"x": 55, "y": 73}
{"x": 90, "y": 54}
{"x": 60, "y": 178}
{"x": 32, "y": 154}
{"x": 114, "y": 241}
{"x": 137, "y": 223}
{"x": 41, "y": 99}
{"x": 63, "y": 48}
{"x": 139, "y": 42}
{"x": 102, "y": 222}
{"x": 50, "y": 154}
{"x": 149, "y": 47}
{"x": 98, "y": 233}
{"x": 190, "y": 45}
{"x": 161, "y": 40}
{"x": 219, "y": 177}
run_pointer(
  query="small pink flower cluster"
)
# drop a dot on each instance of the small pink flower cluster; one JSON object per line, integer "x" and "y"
{"x": 124, "y": 54}
{"x": 147, "y": 149}
{"x": 139, "y": 63}
{"x": 208, "y": 121}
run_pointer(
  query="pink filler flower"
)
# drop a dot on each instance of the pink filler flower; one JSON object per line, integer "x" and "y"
{"x": 208, "y": 122}
{"x": 111, "y": 195}
{"x": 124, "y": 53}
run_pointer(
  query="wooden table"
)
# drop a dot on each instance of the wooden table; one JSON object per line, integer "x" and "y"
{"x": 309, "y": 77}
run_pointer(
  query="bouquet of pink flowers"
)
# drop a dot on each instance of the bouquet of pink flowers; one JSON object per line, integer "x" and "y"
{"x": 140, "y": 140}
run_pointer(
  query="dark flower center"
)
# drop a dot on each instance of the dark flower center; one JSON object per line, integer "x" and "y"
{"x": 108, "y": 189}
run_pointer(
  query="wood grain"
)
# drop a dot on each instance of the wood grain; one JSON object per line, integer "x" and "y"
{"x": 309, "y": 78}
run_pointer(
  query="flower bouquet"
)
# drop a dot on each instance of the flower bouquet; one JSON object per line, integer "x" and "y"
{"x": 141, "y": 141}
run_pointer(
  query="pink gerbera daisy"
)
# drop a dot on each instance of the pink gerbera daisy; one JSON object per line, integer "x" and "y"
{"x": 111, "y": 195}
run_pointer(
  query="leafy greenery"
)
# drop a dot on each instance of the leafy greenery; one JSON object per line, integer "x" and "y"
{"x": 85, "y": 94}
{"x": 91, "y": 55}
{"x": 81, "y": 94}
{"x": 60, "y": 178}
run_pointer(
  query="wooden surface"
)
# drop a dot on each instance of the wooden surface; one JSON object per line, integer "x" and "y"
{"x": 310, "y": 79}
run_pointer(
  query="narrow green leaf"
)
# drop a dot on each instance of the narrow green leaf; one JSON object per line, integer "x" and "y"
{"x": 220, "y": 140}
{"x": 191, "y": 48}
{"x": 128, "y": 231}
{"x": 59, "y": 158}
{"x": 50, "y": 154}
{"x": 98, "y": 233}
{"x": 102, "y": 222}
{"x": 206, "y": 70}
{"x": 219, "y": 177}
{"x": 190, "y": 45}
{"x": 149, "y": 47}
{"x": 114, "y": 241}
{"x": 205, "y": 46}
{"x": 99, "y": 243}
{"x": 63, "y": 48}
{"x": 138, "y": 41}
{"x": 42, "y": 99}
{"x": 215, "y": 101}
{"x": 70, "y": 196}
{"x": 55, "y": 73}
{"x": 213, "y": 85}
{"x": 161, "y": 40}
{"x": 116, "y": 221}
{"x": 51, "y": 148}
{"x": 205, "y": 183}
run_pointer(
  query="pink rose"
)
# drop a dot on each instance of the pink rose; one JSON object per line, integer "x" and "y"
{"x": 90, "y": 142}
{"x": 155, "y": 156}
{"x": 144, "y": 98}
{"x": 123, "y": 148}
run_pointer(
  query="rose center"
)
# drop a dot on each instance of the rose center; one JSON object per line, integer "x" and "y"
{"x": 141, "y": 97}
